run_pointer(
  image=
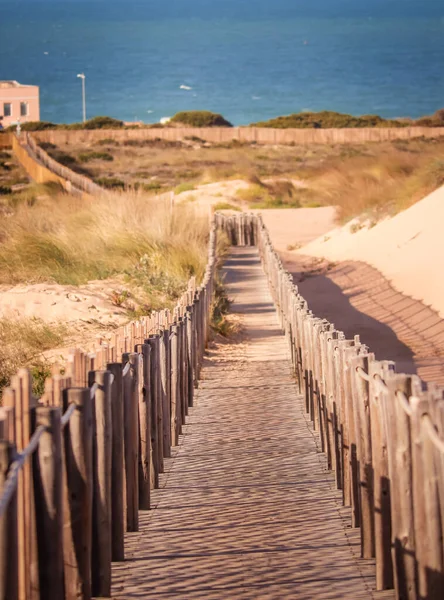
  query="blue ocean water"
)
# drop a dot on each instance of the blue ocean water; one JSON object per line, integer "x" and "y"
{"x": 248, "y": 59}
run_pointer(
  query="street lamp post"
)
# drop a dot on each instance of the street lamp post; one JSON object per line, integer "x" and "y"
{"x": 82, "y": 77}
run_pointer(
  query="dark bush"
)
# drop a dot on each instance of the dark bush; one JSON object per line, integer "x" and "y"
{"x": 147, "y": 187}
{"x": 34, "y": 126}
{"x": 328, "y": 120}
{"x": 110, "y": 183}
{"x": 107, "y": 142}
{"x": 47, "y": 146}
{"x": 87, "y": 156}
{"x": 103, "y": 123}
{"x": 200, "y": 118}
{"x": 5, "y": 190}
{"x": 96, "y": 123}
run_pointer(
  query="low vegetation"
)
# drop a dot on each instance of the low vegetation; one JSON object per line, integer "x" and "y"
{"x": 52, "y": 237}
{"x": 280, "y": 193}
{"x": 23, "y": 343}
{"x": 68, "y": 240}
{"x": 200, "y": 118}
{"x": 333, "y": 120}
{"x": 226, "y": 206}
{"x": 12, "y": 175}
{"x": 374, "y": 178}
{"x": 381, "y": 182}
{"x": 328, "y": 120}
{"x": 93, "y": 155}
{"x": 222, "y": 323}
{"x": 94, "y": 123}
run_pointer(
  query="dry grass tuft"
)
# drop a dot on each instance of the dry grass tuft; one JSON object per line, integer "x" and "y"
{"x": 379, "y": 185}
{"x": 22, "y": 344}
{"x": 68, "y": 240}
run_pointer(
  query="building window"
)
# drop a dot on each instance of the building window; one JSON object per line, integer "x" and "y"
{"x": 7, "y": 109}
{"x": 23, "y": 109}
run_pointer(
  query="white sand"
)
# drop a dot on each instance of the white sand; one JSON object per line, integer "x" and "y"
{"x": 407, "y": 249}
{"x": 83, "y": 305}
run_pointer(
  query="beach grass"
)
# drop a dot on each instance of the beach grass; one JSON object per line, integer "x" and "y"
{"x": 68, "y": 240}
{"x": 23, "y": 342}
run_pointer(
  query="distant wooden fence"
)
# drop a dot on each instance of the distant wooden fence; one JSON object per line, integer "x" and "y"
{"x": 77, "y": 182}
{"x": 78, "y": 464}
{"x": 382, "y": 431}
{"x": 42, "y": 168}
{"x": 36, "y": 170}
{"x": 259, "y": 135}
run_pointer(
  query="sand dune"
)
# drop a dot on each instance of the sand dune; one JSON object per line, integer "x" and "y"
{"x": 407, "y": 249}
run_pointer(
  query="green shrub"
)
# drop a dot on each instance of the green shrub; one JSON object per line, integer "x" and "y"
{"x": 435, "y": 120}
{"x": 110, "y": 183}
{"x": 200, "y": 118}
{"x": 225, "y": 206}
{"x": 34, "y": 126}
{"x": 87, "y": 156}
{"x": 63, "y": 158}
{"x": 147, "y": 187}
{"x": 328, "y": 120}
{"x": 47, "y": 146}
{"x": 96, "y": 123}
{"x": 184, "y": 187}
{"x": 107, "y": 142}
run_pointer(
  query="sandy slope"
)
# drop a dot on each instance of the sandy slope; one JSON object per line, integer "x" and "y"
{"x": 407, "y": 249}
{"x": 371, "y": 286}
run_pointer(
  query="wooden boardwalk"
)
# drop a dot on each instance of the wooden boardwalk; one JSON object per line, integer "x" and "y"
{"x": 246, "y": 508}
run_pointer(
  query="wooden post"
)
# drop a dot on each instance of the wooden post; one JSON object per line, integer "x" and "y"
{"x": 428, "y": 542}
{"x": 27, "y": 539}
{"x": 364, "y": 454}
{"x": 9, "y": 574}
{"x": 157, "y": 395}
{"x": 77, "y": 496}
{"x": 350, "y": 407}
{"x": 432, "y": 500}
{"x": 102, "y": 469}
{"x": 145, "y": 430}
{"x": 131, "y": 433}
{"x": 381, "y": 482}
{"x": 175, "y": 408}
{"x": 165, "y": 384}
{"x": 190, "y": 353}
{"x": 182, "y": 376}
{"x": 47, "y": 474}
{"x": 155, "y": 434}
{"x": 118, "y": 484}
{"x": 397, "y": 423}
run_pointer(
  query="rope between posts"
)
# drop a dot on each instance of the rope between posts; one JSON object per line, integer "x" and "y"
{"x": 14, "y": 470}
{"x": 67, "y": 415}
{"x": 404, "y": 402}
{"x": 432, "y": 433}
{"x": 126, "y": 369}
{"x": 362, "y": 374}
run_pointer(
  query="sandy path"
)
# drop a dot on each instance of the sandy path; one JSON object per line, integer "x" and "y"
{"x": 246, "y": 508}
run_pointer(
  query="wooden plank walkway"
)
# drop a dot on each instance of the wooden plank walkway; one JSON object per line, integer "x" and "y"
{"x": 246, "y": 508}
